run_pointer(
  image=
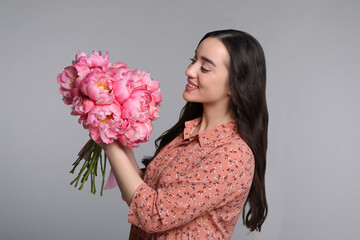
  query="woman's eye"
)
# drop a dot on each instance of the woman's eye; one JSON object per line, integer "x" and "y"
{"x": 204, "y": 69}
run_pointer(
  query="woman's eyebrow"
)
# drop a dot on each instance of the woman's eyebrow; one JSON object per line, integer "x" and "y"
{"x": 206, "y": 59}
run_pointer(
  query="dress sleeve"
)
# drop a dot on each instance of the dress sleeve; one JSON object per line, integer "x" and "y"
{"x": 219, "y": 178}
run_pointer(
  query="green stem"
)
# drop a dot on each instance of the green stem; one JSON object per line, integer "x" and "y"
{"x": 91, "y": 154}
{"x": 103, "y": 173}
{"x": 79, "y": 175}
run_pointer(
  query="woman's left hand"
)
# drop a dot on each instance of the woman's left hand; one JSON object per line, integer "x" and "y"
{"x": 108, "y": 146}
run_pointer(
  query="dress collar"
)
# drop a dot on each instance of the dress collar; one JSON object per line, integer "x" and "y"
{"x": 211, "y": 136}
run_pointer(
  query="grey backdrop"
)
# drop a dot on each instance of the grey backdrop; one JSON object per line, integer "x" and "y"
{"x": 312, "y": 50}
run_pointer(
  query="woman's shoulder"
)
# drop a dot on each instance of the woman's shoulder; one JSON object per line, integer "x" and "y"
{"x": 235, "y": 148}
{"x": 230, "y": 137}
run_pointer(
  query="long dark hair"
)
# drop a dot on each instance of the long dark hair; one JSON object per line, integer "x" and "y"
{"x": 247, "y": 79}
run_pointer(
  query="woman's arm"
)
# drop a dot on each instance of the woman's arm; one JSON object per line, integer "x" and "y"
{"x": 130, "y": 154}
{"x": 125, "y": 169}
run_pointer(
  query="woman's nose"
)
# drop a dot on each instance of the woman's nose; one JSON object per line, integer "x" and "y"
{"x": 190, "y": 71}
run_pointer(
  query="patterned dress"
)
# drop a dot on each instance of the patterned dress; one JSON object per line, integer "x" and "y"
{"x": 195, "y": 188}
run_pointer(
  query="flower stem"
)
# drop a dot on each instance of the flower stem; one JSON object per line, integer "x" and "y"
{"x": 103, "y": 173}
{"x": 91, "y": 153}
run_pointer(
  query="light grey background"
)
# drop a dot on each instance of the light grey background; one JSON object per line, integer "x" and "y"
{"x": 312, "y": 50}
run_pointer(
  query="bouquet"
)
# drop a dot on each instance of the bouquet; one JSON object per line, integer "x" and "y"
{"x": 113, "y": 102}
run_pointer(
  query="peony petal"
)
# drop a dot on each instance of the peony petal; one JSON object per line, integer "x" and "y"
{"x": 120, "y": 91}
{"x": 92, "y": 92}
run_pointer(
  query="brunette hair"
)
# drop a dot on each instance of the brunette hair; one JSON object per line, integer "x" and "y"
{"x": 247, "y": 79}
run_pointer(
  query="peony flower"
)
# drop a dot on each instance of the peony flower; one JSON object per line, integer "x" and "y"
{"x": 105, "y": 122}
{"x": 95, "y": 59}
{"x": 98, "y": 86}
{"x": 81, "y": 106}
{"x": 66, "y": 80}
{"x": 123, "y": 86}
{"x": 144, "y": 81}
{"x": 136, "y": 133}
{"x": 137, "y": 106}
{"x": 82, "y": 70}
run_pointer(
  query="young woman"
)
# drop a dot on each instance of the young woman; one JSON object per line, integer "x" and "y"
{"x": 212, "y": 161}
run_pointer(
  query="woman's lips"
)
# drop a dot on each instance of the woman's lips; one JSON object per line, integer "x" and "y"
{"x": 191, "y": 86}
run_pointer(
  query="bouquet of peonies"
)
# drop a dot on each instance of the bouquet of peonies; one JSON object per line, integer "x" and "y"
{"x": 113, "y": 102}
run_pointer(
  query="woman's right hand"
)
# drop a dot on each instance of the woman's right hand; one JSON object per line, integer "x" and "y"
{"x": 116, "y": 146}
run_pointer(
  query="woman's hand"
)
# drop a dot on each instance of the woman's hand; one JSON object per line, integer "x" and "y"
{"x": 108, "y": 146}
{"x": 129, "y": 153}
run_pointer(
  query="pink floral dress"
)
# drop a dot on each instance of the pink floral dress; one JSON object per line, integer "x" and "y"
{"x": 195, "y": 188}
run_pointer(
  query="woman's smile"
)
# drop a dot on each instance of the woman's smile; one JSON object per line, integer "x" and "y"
{"x": 191, "y": 86}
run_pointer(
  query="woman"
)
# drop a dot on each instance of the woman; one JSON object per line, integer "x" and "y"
{"x": 212, "y": 161}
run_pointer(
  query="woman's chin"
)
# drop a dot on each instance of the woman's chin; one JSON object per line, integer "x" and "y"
{"x": 186, "y": 96}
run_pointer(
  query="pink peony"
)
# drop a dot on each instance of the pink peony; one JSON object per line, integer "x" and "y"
{"x": 97, "y": 85}
{"x": 137, "y": 106}
{"x": 95, "y": 59}
{"x": 144, "y": 81}
{"x": 156, "y": 99}
{"x": 82, "y": 70}
{"x": 105, "y": 122}
{"x": 66, "y": 79}
{"x": 81, "y": 106}
{"x": 136, "y": 133}
{"x": 124, "y": 85}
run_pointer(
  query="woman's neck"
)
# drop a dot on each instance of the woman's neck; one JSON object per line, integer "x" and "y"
{"x": 213, "y": 117}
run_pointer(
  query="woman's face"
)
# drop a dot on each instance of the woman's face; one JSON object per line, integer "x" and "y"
{"x": 208, "y": 75}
